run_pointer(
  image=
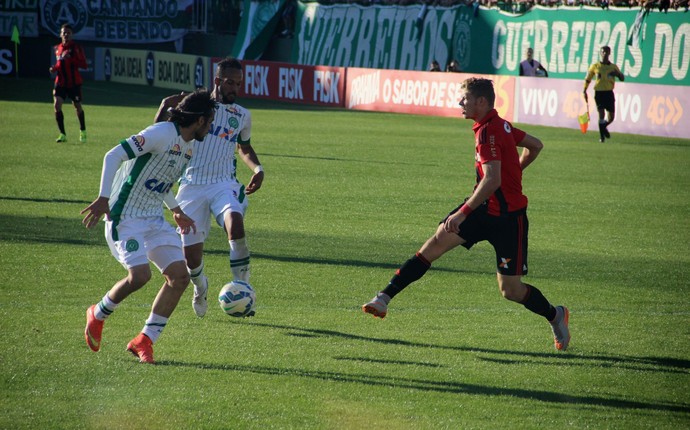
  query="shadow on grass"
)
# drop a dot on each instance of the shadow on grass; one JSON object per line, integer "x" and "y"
{"x": 645, "y": 363}
{"x": 294, "y": 247}
{"x": 95, "y": 93}
{"x": 636, "y": 364}
{"x": 349, "y": 160}
{"x": 43, "y": 200}
{"x": 102, "y": 93}
{"x": 395, "y": 362}
{"x": 70, "y": 231}
{"x": 391, "y": 381}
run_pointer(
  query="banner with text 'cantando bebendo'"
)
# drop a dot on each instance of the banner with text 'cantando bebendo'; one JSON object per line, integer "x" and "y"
{"x": 134, "y": 21}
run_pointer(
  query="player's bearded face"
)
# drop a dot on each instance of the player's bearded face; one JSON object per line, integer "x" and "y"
{"x": 230, "y": 86}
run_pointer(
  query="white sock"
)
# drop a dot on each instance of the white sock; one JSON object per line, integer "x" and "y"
{"x": 239, "y": 259}
{"x": 104, "y": 308}
{"x": 385, "y": 297}
{"x": 197, "y": 277}
{"x": 154, "y": 326}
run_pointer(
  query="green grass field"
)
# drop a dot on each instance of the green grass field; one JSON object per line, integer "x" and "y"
{"x": 347, "y": 198}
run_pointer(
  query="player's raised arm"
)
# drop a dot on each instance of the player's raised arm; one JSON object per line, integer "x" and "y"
{"x": 167, "y": 103}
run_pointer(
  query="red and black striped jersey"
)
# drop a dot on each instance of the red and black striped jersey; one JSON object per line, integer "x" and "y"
{"x": 70, "y": 58}
{"x": 496, "y": 140}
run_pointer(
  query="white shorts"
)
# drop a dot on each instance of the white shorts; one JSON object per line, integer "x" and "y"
{"x": 140, "y": 240}
{"x": 200, "y": 202}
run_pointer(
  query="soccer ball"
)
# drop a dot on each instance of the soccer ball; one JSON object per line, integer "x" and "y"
{"x": 237, "y": 298}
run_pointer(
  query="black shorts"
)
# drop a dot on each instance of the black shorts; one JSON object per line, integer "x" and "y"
{"x": 64, "y": 93}
{"x": 506, "y": 233}
{"x": 605, "y": 100}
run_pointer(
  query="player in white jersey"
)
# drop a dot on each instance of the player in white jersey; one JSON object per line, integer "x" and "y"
{"x": 136, "y": 180}
{"x": 209, "y": 187}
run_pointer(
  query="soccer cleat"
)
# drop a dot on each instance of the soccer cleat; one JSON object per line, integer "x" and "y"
{"x": 142, "y": 348}
{"x": 82, "y": 136}
{"x": 94, "y": 329}
{"x": 561, "y": 333}
{"x": 199, "y": 302}
{"x": 61, "y": 138}
{"x": 377, "y": 307}
{"x": 601, "y": 140}
{"x": 606, "y": 133}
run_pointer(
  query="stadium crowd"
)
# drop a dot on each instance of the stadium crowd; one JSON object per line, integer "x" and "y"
{"x": 521, "y": 6}
{"x": 226, "y": 14}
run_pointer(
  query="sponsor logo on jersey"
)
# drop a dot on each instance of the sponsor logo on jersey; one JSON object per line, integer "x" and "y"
{"x": 188, "y": 155}
{"x": 131, "y": 245}
{"x": 154, "y": 184}
{"x": 492, "y": 146}
{"x": 224, "y": 133}
{"x": 139, "y": 141}
{"x": 175, "y": 150}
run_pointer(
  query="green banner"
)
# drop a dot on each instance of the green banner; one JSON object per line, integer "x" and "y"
{"x": 654, "y": 48}
{"x": 567, "y": 42}
{"x": 258, "y": 23}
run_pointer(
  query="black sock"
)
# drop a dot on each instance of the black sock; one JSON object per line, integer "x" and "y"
{"x": 82, "y": 121}
{"x": 413, "y": 269}
{"x": 60, "y": 118}
{"x": 537, "y": 303}
{"x": 602, "y": 126}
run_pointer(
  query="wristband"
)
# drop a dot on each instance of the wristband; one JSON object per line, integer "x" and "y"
{"x": 466, "y": 210}
{"x": 258, "y": 169}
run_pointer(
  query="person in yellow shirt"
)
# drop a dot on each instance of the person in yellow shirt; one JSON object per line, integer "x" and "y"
{"x": 606, "y": 73}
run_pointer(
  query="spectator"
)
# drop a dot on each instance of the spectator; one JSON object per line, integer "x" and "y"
{"x": 453, "y": 66}
{"x": 532, "y": 67}
{"x": 680, "y": 3}
{"x": 434, "y": 66}
{"x": 419, "y": 22}
{"x": 288, "y": 18}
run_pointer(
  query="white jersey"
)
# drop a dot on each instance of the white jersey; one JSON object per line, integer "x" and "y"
{"x": 529, "y": 69}
{"x": 214, "y": 159}
{"x": 158, "y": 156}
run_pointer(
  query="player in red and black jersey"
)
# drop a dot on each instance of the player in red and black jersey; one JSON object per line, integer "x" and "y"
{"x": 70, "y": 58}
{"x": 496, "y": 212}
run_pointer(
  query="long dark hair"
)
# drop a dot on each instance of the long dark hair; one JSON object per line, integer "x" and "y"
{"x": 194, "y": 105}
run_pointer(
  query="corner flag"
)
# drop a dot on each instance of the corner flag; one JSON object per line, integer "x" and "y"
{"x": 584, "y": 122}
{"x": 15, "y": 34}
{"x": 15, "y": 39}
